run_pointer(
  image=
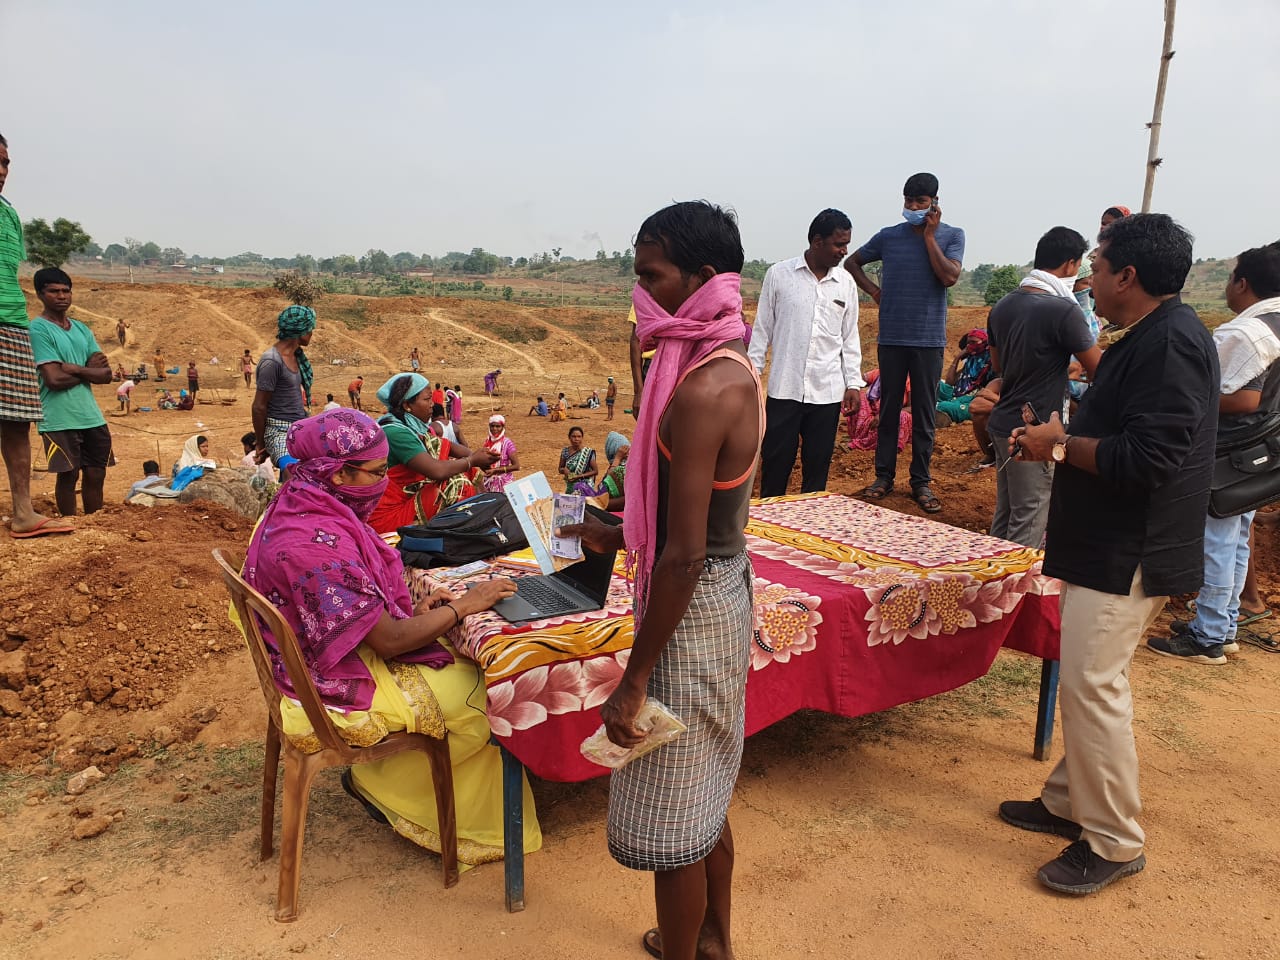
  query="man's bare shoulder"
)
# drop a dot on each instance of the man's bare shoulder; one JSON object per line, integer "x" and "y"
{"x": 721, "y": 381}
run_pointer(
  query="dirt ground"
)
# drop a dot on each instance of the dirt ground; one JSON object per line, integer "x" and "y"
{"x": 869, "y": 838}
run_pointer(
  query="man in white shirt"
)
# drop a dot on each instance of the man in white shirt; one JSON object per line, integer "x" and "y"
{"x": 808, "y": 314}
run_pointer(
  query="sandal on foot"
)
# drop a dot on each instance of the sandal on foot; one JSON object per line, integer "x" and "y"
{"x": 1247, "y": 618}
{"x": 927, "y": 502}
{"x": 878, "y": 490}
{"x": 652, "y": 943}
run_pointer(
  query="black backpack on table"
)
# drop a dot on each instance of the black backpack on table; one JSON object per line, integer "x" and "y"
{"x": 479, "y": 528}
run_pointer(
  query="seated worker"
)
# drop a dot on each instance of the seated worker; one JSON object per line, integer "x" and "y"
{"x": 166, "y": 400}
{"x": 151, "y": 478}
{"x": 577, "y": 462}
{"x": 186, "y": 401}
{"x": 863, "y": 424}
{"x": 969, "y": 374}
{"x": 426, "y": 472}
{"x": 120, "y": 373}
{"x": 374, "y": 655}
{"x": 561, "y": 409}
{"x": 264, "y": 470}
{"x": 195, "y": 453}
{"x": 539, "y": 409}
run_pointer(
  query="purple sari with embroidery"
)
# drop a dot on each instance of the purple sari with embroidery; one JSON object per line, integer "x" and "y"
{"x": 322, "y": 566}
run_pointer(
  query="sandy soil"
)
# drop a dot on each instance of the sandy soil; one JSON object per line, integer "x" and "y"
{"x": 874, "y": 837}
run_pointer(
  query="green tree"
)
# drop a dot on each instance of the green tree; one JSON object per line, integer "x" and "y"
{"x": 404, "y": 261}
{"x": 115, "y": 253}
{"x": 52, "y": 246}
{"x": 304, "y": 263}
{"x": 981, "y": 275}
{"x": 1003, "y": 280}
{"x": 377, "y": 262}
{"x": 507, "y": 293}
{"x": 298, "y": 287}
{"x": 480, "y": 260}
{"x": 92, "y": 250}
{"x": 173, "y": 255}
{"x": 755, "y": 269}
{"x": 150, "y": 251}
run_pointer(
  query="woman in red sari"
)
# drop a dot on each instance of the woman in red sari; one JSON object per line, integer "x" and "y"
{"x": 426, "y": 472}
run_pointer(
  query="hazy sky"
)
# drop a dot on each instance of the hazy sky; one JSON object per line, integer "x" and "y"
{"x": 327, "y": 127}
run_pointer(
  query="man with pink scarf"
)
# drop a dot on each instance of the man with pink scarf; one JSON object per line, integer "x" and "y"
{"x": 703, "y": 411}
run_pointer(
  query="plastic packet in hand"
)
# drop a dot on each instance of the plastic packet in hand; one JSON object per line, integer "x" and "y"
{"x": 660, "y": 725}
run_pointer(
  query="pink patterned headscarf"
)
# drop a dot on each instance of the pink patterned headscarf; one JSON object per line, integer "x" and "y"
{"x": 709, "y": 318}
{"x": 322, "y": 566}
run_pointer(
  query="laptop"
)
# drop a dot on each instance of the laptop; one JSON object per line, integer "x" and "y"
{"x": 577, "y": 588}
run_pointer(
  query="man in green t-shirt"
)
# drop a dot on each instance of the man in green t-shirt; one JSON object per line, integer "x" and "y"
{"x": 77, "y": 443}
{"x": 19, "y": 385}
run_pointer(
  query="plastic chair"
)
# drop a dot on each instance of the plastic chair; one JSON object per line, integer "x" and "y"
{"x": 300, "y": 768}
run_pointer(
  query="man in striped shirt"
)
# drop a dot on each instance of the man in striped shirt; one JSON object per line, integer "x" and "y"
{"x": 19, "y": 384}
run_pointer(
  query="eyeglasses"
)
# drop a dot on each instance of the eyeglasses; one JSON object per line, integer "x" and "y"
{"x": 373, "y": 473}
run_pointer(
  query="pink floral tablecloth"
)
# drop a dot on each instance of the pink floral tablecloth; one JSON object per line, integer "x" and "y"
{"x": 858, "y": 609}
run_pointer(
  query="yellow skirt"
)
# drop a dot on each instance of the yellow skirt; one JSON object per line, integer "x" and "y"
{"x": 419, "y": 699}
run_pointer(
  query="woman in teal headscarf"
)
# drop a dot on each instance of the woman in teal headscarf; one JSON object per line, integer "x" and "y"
{"x": 616, "y": 448}
{"x": 426, "y": 472}
{"x": 284, "y": 379}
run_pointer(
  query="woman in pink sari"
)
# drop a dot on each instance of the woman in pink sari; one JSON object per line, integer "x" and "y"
{"x": 376, "y": 658}
{"x": 499, "y": 474}
{"x": 864, "y": 424}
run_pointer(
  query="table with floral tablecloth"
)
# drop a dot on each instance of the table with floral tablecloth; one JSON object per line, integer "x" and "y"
{"x": 858, "y": 609}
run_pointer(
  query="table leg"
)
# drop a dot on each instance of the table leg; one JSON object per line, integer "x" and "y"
{"x": 513, "y": 829}
{"x": 1046, "y": 707}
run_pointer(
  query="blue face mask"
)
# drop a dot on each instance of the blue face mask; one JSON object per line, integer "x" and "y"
{"x": 914, "y": 217}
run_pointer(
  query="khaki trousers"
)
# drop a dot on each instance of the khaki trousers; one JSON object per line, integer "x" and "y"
{"x": 1096, "y": 782}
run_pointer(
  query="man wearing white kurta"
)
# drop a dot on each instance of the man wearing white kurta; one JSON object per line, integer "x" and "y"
{"x": 808, "y": 315}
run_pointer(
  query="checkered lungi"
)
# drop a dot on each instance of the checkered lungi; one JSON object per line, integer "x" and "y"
{"x": 19, "y": 382}
{"x": 668, "y": 809}
{"x": 273, "y": 438}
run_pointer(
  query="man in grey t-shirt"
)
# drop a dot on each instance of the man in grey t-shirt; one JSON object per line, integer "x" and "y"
{"x": 1034, "y": 331}
{"x": 283, "y": 378}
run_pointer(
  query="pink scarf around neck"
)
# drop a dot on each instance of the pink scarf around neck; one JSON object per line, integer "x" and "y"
{"x": 709, "y": 318}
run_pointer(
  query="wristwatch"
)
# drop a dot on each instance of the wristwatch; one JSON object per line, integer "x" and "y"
{"x": 1059, "y": 452}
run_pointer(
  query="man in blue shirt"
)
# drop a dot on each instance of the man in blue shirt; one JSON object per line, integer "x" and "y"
{"x": 921, "y": 258}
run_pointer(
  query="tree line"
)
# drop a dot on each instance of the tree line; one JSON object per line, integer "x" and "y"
{"x": 52, "y": 245}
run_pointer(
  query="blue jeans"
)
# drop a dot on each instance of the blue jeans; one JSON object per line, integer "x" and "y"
{"x": 1226, "y": 562}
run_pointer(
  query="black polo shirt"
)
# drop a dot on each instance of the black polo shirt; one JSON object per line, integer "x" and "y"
{"x": 1153, "y": 406}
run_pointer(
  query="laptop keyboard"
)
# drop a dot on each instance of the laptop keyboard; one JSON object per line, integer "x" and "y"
{"x": 542, "y": 595}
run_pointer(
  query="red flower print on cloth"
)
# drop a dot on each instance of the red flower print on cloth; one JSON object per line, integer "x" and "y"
{"x": 786, "y": 623}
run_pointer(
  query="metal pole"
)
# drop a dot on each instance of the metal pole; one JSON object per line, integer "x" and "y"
{"x": 1153, "y": 158}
